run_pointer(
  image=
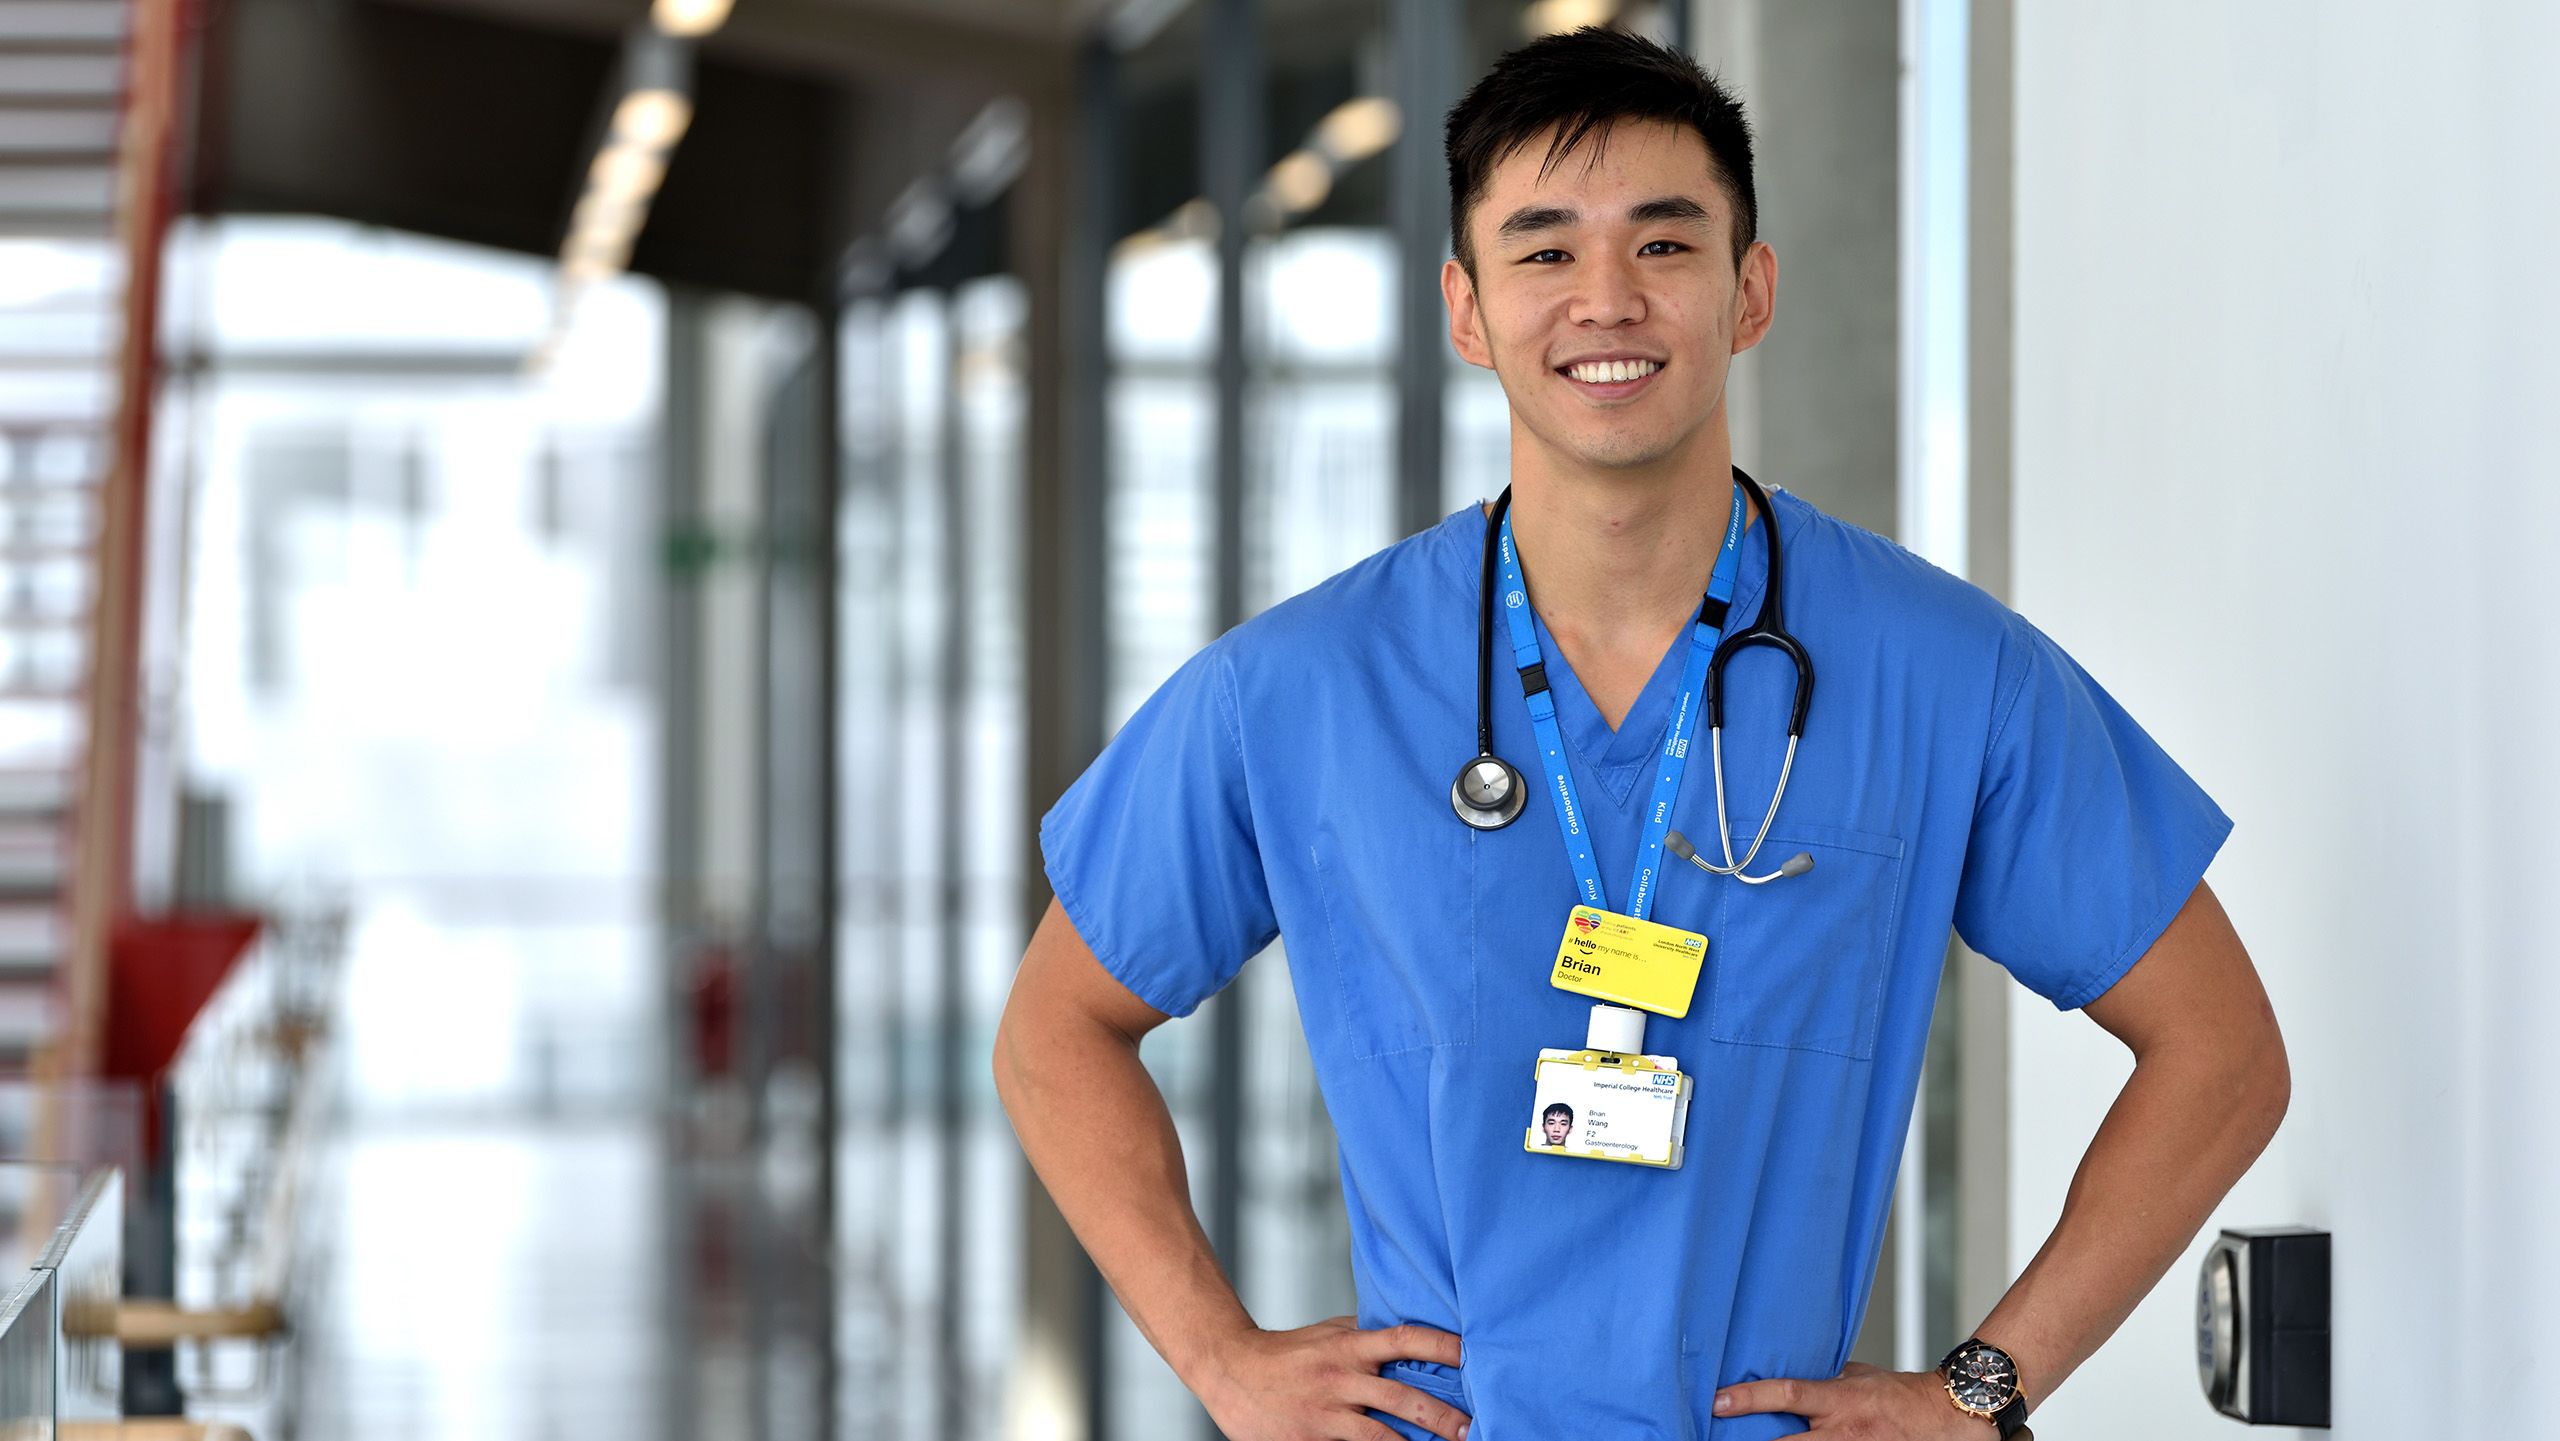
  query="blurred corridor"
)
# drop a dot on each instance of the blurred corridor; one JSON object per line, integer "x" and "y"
{"x": 554, "y": 552}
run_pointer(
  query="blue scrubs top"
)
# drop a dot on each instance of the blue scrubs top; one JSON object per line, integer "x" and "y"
{"x": 1957, "y": 769}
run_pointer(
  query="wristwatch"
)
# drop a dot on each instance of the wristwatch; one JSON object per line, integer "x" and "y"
{"x": 1982, "y": 1381}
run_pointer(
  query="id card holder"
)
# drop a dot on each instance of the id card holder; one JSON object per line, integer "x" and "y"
{"x": 1628, "y": 962}
{"x": 1600, "y": 1104}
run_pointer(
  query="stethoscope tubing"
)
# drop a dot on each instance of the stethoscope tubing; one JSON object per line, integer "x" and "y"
{"x": 1767, "y": 628}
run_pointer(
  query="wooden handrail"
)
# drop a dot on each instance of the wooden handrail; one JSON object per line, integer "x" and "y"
{"x": 149, "y": 1428}
{"x": 146, "y": 1325}
{"x": 101, "y": 879}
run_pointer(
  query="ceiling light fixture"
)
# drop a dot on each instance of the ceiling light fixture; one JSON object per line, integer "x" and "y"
{"x": 652, "y": 109}
{"x": 1300, "y": 182}
{"x": 991, "y": 150}
{"x": 689, "y": 19}
{"x": 652, "y": 119}
{"x": 1555, "y": 17}
{"x": 626, "y": 172}
{"x": 1358, "y": 129}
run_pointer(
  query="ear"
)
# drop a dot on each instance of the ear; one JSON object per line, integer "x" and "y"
{"x": 1755, "y": 296}
{"x": 1466, "y": 323}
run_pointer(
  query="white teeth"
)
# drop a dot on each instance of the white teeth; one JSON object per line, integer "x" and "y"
{"x": 1604, "y": 372}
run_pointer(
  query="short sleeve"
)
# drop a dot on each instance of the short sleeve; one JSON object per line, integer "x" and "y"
{"x": 2087, "y": 838}
{"x": 1152, "y": 851}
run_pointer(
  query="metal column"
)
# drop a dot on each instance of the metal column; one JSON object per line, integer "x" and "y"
{"x": 1983, "y": 990}
{"x": 1065, "y": 223}
{"x": 952, "y": 701}
{"x": 1233, "y": 153}
{"x": 1427, "y": 34}
{"x": 792, "y": 1058}
{"x": 678, "y": 686}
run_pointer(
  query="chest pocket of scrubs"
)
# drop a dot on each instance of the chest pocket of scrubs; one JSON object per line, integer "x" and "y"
{"x": 1801, "y": 962}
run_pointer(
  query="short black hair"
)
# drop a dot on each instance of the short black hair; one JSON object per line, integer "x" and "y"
{"x": 1550, "y": 1112}
{"x": 1586, "y": 80}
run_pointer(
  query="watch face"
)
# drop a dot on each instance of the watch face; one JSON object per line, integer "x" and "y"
{"x": 1982, "y": 1377}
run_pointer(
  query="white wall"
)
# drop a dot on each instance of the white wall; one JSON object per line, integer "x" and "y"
{"x": 2287, "y": 483}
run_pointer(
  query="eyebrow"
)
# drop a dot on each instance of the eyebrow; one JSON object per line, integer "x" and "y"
{"x": 1533, "y": 219}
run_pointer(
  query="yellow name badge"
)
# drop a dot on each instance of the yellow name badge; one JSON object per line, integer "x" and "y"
{"x": 1620, "y": 959}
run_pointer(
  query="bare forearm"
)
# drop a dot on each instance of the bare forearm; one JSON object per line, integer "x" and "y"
{"x": 1098, "y": 1133}
{"x": 2185, "y": 1127}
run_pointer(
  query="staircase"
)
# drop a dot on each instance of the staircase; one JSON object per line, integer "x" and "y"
{"x": 80, "y": 188}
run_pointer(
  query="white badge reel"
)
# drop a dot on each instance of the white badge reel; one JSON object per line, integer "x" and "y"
{"x": 1609, "y": 1101}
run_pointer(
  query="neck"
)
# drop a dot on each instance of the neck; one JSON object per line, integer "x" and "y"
{"x": 1615, "y": 564}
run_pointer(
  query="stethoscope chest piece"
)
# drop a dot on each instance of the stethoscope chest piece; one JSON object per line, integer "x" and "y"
{"x": 1488, "y": 794}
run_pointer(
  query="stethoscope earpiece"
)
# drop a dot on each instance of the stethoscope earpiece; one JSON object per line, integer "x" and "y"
{"x": 1488, "y": 794}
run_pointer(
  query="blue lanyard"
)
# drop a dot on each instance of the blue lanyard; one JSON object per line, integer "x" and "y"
{"x": 1531, "y": 661}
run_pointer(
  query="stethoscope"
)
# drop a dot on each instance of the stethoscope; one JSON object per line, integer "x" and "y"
{"x": 1489, "y": 792}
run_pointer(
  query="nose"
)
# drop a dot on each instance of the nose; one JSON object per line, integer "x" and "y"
{"x": 1609, "y": 294}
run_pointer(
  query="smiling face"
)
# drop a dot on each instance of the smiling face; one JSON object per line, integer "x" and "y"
{"x": 1606, "y": 298}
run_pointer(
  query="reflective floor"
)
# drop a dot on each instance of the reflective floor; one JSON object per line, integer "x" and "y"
{"x": 491, "y": 1251}
{"x": 496, "y": 1281}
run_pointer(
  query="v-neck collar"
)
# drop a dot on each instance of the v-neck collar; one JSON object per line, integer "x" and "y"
{"x": 1613, "y": 757}
{"x": 1616, "y": 758}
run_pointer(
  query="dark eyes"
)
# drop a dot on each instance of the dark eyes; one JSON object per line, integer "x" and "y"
{"x": 1539, "y": 257}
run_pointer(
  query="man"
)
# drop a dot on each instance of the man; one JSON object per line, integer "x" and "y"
{"x": 1957, "y": 769}
{"x": 1558, "y": 1121}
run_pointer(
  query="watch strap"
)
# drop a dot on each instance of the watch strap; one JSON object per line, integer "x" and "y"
{"x": 2012, "y": 1418}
